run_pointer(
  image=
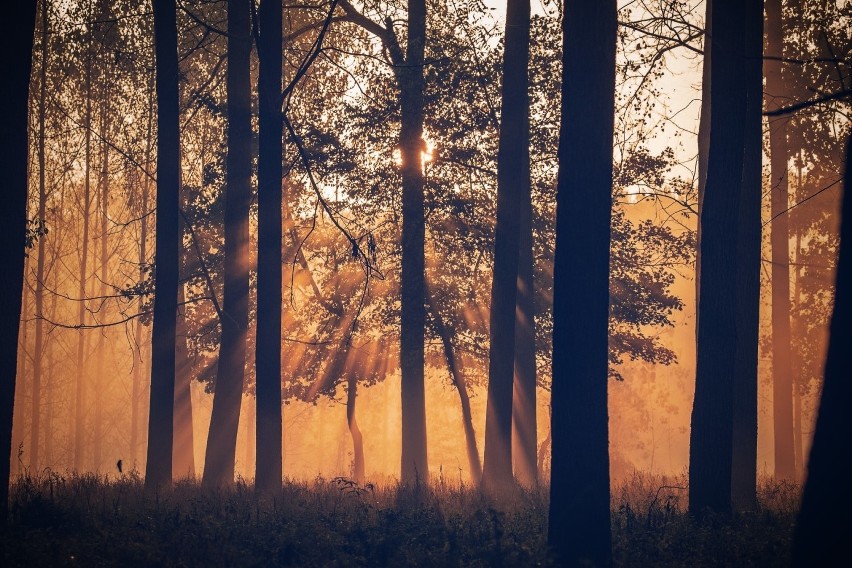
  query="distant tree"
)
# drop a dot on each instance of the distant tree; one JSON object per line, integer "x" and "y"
{"x": 579, "y": 528}
{"x": 17, "y": 49}
{"x": 777, "y": 96}
{"x": 158, "y": 471}
{"x": 269, "y": 195}
{"x": 230, "y": 372}
{"x": 512, "y": 183}
{"x": 819, "y": 536}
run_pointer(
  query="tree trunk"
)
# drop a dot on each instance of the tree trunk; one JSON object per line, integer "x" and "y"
{"x": 99, "y": 380}
{"x": 820, "y": 538}
{"x": 512, "y": 183}
{"x": 744, "y": 456}
{"x": 711, "y": 437}
{"x": 230, "y": 372}
{"x": 579, "y": 529}
{"x": 158, "y": 467}
{"x": 798, "y": 448}
{"x": 703, "y": 146}
{"x": 357, "y": 438}
{"x": 38, "y": 362}
{"x": 80, "y": 390}
{"x": 14, "y": 98}
{"x": 461, "y": 386}
{"x": 414, "y": 466}
{"x": 183, "y": 453}
{"x": 782, "y": 378}
{"x": 524, "y": 419}
{"x": 269, "y": 266}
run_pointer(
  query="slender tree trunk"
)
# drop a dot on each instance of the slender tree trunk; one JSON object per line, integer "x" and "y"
{"x": 524, "y": 419}
{"x": 782, "y": 378}
{"x": 50, "y": 380}
{"x": 820, "y": 538}
{"x": 230, "y": 372}
{"x": 744, "y": 457}
{"x": 99, "y": 372}
{"x": 158, "y": 467}
{"x": 15, "y": 68}
{"x": 80, "y": 390}
{"x": 703, "y": 145}
{"x": 798, "y": 379}
{"x": 269, "y": 266}
{"x": 183, "y": 453}
{"x": 357, "y": 438}
{"x": 414, "y": 465}
{"x": 512, "y": 183}
{"x": 461, "y": 386}
{"x": 38, "y": 361}
{"x": 579, "y": 528}
{"x": 711, "y": 438}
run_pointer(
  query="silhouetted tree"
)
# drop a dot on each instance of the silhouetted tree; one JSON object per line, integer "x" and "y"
{"x": 158, "y": 469}
{"x": 15, "y": 69}
{"x": 269, "y": 195}
{"x": 819, "y": 538}
{"x": 230, "y": 372}
{"x": 579, "y": 529}
{"x": 512, "y": 183}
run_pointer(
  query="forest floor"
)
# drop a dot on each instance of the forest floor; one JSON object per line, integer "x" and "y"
{"x": 58, "y": 520}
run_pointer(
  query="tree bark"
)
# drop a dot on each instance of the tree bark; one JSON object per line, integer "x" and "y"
{"x": 97, "y": 441}
{"x": 744, "y": 457}
{"x": 158, "y": 467}
{"x": 38, "y": 361}
{"x": 703, "y": 146}
{"x": 711, "y": 437}
{"x": 414, "y": 466}
{"x": 579, "y": 529}
{"x": 782, "y": 378}
{"x": 357, "y": 437}
{"x": 269, "y": 266}
{"x": 230, "y": 372}
{"x": 512, "y": 169}
{"x": 15, "y": 68}
{"x": 820, "y": 538}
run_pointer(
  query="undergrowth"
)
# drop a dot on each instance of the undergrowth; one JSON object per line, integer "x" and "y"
{"x": 87, "y": 520}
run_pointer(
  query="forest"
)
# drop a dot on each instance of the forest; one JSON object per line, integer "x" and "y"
{"x": 426, "y": 282}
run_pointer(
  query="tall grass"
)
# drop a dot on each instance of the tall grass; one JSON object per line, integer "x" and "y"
{"x": 89, "y": 520}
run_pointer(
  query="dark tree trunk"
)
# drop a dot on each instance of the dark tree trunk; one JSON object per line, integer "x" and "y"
{"x": 357, "y": 437}
{"x": 703, "y": 146}
{"x": 414, "y": 466}
{"x": 524, "y": 419}
{"x": 821, "y": 537}
{"x": 579, "y": 529}
{"x": 15, "y": 69}
{"x": 744, "y": 457}
{"x": 97, "y": 431}
{"x": 269, "y": 195}
{"x": 224, "y": 421}
{"x": 711, "y": 439}
{"x": 461, "y": 386}
{"x": 38, "y": 360}
{"x": 158, "y": 468}
{"x": 782, "y": 374}
{"x": 512, "y": 182}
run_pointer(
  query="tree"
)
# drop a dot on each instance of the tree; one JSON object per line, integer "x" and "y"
{"x": 579, "y": 529}
{"x": 711, "y": 436}
{"x": 14, "y": 99}
{"x": 230, "y": 372}
{"x": 158, "y": 472}
{"x": 269, "y": 195}
{"x": 512, "y": 183}
{"x": 782, "y": 363}
{"x": 819, "y": 537}
{"x": 744, "y": 449}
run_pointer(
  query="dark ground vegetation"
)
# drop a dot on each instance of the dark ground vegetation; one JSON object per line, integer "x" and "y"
{"x": 58, "y": 520}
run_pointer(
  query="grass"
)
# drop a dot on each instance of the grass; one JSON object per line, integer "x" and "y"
{"x": 87, "y": 520}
